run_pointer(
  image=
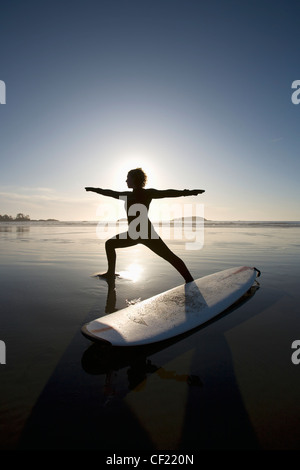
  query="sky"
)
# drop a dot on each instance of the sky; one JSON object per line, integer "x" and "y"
{"x": 196, "y": 92}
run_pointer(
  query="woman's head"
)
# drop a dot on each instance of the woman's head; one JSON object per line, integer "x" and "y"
{"x": 136, "y": 178}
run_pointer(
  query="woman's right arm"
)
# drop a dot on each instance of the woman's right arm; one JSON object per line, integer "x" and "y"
{"x": 107, "y": 192}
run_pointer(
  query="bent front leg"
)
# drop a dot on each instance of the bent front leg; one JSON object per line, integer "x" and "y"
{"x": 121, "y": 240}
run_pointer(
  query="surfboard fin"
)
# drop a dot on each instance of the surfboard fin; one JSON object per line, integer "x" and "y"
{"x": 258, "y": 272}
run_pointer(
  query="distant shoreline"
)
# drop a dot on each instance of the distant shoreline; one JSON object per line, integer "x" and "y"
{"x": 26, "y": 220}
{"x": 172, "y": 223}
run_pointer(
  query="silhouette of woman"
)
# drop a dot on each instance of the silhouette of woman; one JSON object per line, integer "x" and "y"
{"x": 138, "y": 201}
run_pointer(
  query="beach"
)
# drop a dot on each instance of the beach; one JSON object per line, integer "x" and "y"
{"x": 228, "y": 385}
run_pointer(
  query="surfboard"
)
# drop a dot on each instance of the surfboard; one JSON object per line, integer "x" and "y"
{"x": 173, "y": 312}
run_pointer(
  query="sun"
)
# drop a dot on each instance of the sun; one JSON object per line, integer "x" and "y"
{"x": 128, "y": 162}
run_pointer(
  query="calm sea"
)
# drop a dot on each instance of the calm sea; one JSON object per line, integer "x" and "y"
{"x": 229, "y": 385}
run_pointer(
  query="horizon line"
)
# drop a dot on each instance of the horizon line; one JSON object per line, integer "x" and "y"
{"x": 153, "y": 221}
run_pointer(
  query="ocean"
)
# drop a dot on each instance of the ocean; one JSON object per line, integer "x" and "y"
{"x": 232, "y": 384}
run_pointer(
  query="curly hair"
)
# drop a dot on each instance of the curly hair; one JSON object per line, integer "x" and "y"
{"x": 139, "y": 177}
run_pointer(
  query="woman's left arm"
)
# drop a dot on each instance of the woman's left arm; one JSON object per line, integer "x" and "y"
{"x": 158, "y": 194}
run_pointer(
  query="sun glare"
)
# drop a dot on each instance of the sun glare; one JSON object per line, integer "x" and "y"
{"x": 127, "y": 163}
{"x": 132, "y": 273}
{"x": 155, "y": 178}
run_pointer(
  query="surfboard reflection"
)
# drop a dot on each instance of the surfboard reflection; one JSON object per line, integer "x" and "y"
{"x": 99, "y": 360}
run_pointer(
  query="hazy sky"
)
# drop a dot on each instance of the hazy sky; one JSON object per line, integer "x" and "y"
{"x": 198, "y": 93}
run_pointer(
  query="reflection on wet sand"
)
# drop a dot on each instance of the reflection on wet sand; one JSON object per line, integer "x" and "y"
{"x": 68, "y": 380}
{"x": 145, "y": 395}
{"x": 132, "y": 273}
{"x": 19, "y": 229}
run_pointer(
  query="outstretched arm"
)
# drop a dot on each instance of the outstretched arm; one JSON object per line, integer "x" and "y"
{"x": 157, "y": 194}
{"x": 107, "y": 192}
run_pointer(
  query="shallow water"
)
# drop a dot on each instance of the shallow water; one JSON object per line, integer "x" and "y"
{"x": 229, "y": 385}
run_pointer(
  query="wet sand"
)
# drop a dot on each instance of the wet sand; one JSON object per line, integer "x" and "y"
{"x": 229, "y": 385}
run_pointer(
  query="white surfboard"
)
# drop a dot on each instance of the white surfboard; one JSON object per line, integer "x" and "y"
{"x": 173, "y": 312}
